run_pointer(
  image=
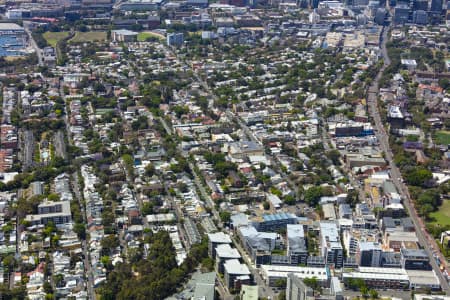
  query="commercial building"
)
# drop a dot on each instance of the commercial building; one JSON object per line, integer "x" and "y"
{"x": 345, "y": 211}
{"x": 420, "y": 5}
{"x": 330, "y": 244}
{"x": 296, "y": 244}
{"x": 297, "y": 290}
{"x": 140, "y": 5}
{"x": 436, "y": 6}
{"x": 423, "y": 280}
{"x": 124, "y": 35}
{"x": 198, "y": 3}
{"x": 259, "y": 245}
{"x": 368, "y": 254}
{"x": 275, "y": 222}
{"x": 205, "y": 286}
{"x": 401, "y": 14}
{"x": 236, "y": 274}
{"x": 272, "y": 273}
{"x": 242, "y": 149}
{"x": 430, "y": 297}
{"x": 384, "y": 278}
{"x": 215, "y": 239}
{"x": 13, "y": 39}
{"x": 414, "y": 259}
{"x": 420, "y": 17}
{"x": 224, "y": 252}
{"x": 380, "y": 16}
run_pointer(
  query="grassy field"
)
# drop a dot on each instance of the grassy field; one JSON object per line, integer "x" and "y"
{"x": 54, "y": 37}
{"x": 91, "y": 36}
{"x": 443, "y": 137}
{"x": 442, "y": 216}
{"x": 143, "y": 36}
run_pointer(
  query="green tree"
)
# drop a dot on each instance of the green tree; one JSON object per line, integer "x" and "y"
{"x": 313, "y": 283}
{"x": 352, "y": 198}
{"x": 208, "y": 263}
{"x": 334, "y": 156}
{"x": 289, "y": 200}
{"x": 109, "y": 243}
{"x": 80, "y": 230}
{"x": 373, "y": 294}
{"x": 282, "y": 295}
{"x": 418, "y": 176}
{"x": 225, "y": 216}
{"x": 280, "y": 283}
{"x": 149, "y": 170}
{"x": 313, "y": 194}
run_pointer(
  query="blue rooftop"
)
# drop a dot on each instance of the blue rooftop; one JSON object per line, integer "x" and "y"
{"x": 279, "y": 216}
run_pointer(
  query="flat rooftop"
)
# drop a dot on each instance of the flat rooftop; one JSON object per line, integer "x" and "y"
{"x": 219, "y": 237}
{"x": 225, "y": 251}
{"x": 10, "y": 26}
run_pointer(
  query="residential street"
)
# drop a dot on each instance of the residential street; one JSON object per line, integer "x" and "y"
{"x": 383, "y": 137}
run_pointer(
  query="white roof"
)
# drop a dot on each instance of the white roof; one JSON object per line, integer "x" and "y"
{"x": 219, "y": 237}
{"x": 409, "y": 62}
{"x": 422, "y": 277}
{"x": 233, "y": 266}
{"x": 301, "y": 272}
{"x": 10, "y": 26}
{"x": 373, "y": 270}
{"x": 225, "y": 251}
{"x": 379, "y": 276}
{"x": 274, "y": 199}
{"x": 295, "y": 231}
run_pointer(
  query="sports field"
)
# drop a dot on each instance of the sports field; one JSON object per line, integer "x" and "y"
{"x": 53, "y": 38}
{"x": 90, "y": 36}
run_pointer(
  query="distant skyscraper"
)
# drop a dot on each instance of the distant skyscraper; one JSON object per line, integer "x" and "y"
{"x": 401, "y": 14}
{"x": 420, "y": 5}
{"x": 436, "y": 6}
{"x": 420, "y": 17}
{"x": 360, "y": 2}
{"x": 314, "y": 3}
{"x": 380, "y": 16}
{"x": 435, "y": 14}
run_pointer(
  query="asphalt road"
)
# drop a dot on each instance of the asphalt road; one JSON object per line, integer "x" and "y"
{"x": 383, "y": 137}
{"x": 60, "y": 144}
{"x": 28, "y": 149}
{"x": 87, "y": 264}
{"x": 264, "y": 290}
{"x": 26, "y": 25}
{"x": 77, "y": 191}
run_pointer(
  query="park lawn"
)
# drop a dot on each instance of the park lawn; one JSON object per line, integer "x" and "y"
{"x": 443, "y": 137}
{"x": 143, "y": 36}
{"x": 442, "y": 215}
{"x": 53, "y": 38}
{"x": 90, "y": 36}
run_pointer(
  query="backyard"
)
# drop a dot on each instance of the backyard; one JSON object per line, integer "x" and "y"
{"x": 442, "y": 137}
